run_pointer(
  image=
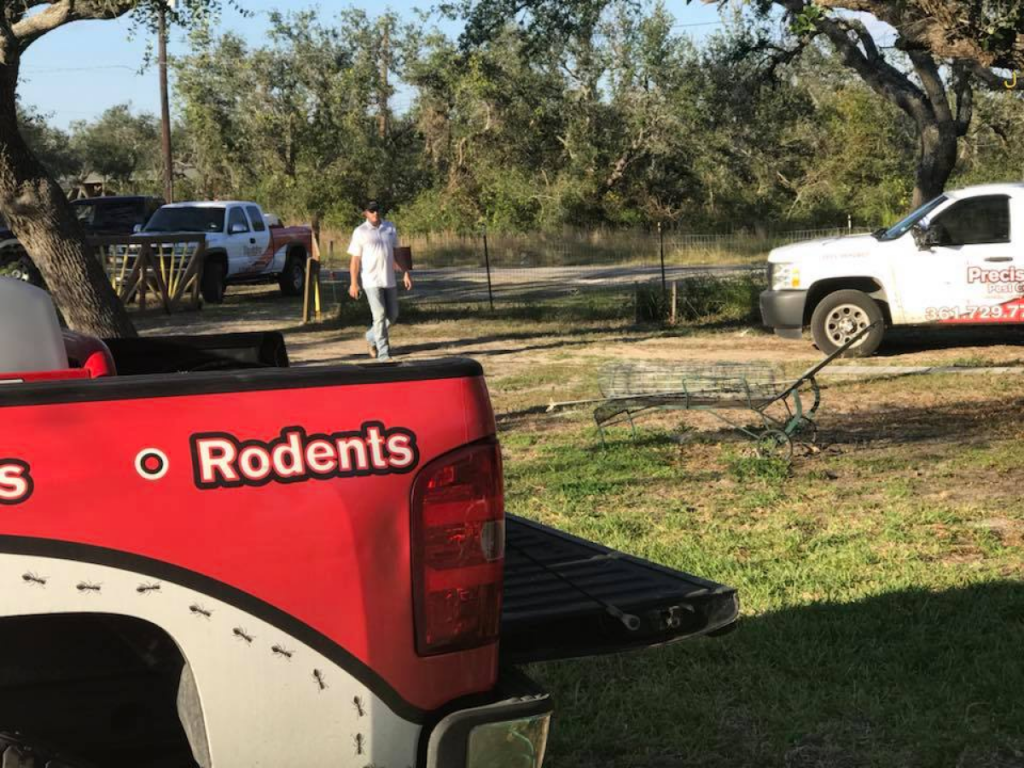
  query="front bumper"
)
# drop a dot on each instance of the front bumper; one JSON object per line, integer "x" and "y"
{"x": 784, "y": 311}
{"x": 506, "y": 729}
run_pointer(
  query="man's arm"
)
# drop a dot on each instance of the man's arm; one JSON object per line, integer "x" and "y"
{"x": 353, "y": 272}
{"x": 407, "y": 278}
{"x": 355, "y": 250}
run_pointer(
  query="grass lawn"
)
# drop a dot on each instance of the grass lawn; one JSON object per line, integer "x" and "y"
{"x": 883, "y": 613}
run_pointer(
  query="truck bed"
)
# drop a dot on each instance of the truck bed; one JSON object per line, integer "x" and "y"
{"x": 566, "y": 597}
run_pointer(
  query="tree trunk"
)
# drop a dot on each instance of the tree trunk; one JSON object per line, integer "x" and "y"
{"x": 41, "y": 217}
{"x": 935, "y": 161}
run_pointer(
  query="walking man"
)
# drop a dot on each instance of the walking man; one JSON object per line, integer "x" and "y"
{"x": 373, "y": 257}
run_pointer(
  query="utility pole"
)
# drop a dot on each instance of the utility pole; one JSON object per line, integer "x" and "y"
{"x": 165, "y": 107}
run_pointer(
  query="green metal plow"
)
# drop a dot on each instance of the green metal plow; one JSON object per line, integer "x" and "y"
{"x": 632, "y": 389}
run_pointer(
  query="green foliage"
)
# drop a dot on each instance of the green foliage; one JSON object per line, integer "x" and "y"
{"x": 803, "y": 23}
{"x": 118, "y": 144}
{"x": 700, "y": 300}
{"x": 51, "y": 146}
{"x": 585, "y": 116}
{"x": 710, "y": 298}
{"x": 300, "y": 123}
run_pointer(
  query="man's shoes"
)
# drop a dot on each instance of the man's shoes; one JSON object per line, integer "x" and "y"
{"x": 372, "y": 348}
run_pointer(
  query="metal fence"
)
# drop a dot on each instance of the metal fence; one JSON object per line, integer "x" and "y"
{"x": 486, "y": 268}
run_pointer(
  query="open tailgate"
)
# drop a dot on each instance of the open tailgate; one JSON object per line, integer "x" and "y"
{"x": 566, "y": 597}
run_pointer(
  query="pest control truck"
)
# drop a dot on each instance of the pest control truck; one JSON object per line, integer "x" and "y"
{"x": 208, "y": 558}
{"x": 958, "y": 259}
{"x": 243, "y": 245}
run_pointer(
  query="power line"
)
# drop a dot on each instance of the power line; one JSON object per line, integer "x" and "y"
{"x": 78, "y": 69}
{"x": 701, "y": 24}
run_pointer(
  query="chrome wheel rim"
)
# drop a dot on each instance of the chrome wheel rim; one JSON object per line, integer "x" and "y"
{"x": 844, "y": 322}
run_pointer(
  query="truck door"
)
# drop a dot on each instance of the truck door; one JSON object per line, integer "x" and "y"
{"x": 241, "y": 243}
{"x": 263, "y": 258}
{"x": 969, "y": 274}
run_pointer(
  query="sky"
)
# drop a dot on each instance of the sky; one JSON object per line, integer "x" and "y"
{"x": 78, "y": 71}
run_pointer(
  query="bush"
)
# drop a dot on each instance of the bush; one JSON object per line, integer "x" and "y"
{"x": 701, "y": 300}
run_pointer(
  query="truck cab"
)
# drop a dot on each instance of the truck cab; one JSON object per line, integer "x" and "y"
{"x": 958, "y": 259}
{"x": 242, "y": 244}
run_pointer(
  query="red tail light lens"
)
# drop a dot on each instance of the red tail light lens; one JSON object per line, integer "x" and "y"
{"x": 458, "y": 547}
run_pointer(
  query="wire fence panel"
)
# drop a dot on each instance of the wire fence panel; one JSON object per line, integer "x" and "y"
{"x": 452, "y": 268}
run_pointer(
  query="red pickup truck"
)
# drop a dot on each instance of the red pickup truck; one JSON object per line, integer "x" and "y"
{"x": 211, "y": 559}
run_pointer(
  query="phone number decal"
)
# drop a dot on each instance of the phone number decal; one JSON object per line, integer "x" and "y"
{"x": 1000, "y": 313}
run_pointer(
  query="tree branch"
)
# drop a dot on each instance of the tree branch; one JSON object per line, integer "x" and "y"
{"x": 964, "y": 90}
{"x": 928, "y": 71}
{"x": 28, "y": 30}
{"x": 879, "y": 74}
{"x": 986, "y": 77}
{"x": 933, "y": 25}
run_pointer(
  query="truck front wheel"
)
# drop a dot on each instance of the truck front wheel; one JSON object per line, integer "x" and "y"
{"x": 214, "y": 281}
{"x": 840, "y": 315}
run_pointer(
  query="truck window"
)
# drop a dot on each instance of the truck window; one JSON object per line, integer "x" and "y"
{"x": 237, "y": 216}
{"x": 256, "y": 218}
{"x": 901, "y": 228}
{"x": 976, "y": 221}
{"x": 189, "y": 219}
{"x": 120, "y": 216}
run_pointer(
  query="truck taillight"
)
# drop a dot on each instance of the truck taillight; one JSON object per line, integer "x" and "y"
{"x": 458, "y": 549}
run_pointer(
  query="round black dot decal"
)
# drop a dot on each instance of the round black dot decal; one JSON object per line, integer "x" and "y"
{"x": 151, "y": 464}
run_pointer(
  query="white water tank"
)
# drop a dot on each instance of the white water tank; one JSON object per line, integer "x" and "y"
{"x": 30, "y": 335}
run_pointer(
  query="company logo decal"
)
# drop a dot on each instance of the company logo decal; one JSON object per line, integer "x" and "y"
{"x": 1009, "y": 280}
{"x": 16, "y": 483}
{"x": 220, "y": 460}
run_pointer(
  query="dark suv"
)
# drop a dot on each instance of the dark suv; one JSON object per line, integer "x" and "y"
{"x": 115, "y": 215}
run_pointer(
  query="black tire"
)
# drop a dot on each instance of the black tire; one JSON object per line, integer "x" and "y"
{"x": 840, "y": 315}
{"x": 214, "y": 283}
{"x": 293, "y": 279}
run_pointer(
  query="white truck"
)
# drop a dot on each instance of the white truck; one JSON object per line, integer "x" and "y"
{"x": 243, "y": 245}
{"x": 958, "y": 259}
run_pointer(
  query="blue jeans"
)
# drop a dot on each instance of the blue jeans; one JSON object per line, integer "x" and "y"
{"x": 384, "y": 308}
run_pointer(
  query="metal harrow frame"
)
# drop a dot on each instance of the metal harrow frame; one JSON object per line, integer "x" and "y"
{"x": 629, "y": 391}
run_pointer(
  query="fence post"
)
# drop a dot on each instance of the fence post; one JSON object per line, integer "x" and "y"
{"x": 661, "y": 248}
{"x": 487, "y": 262}
{"x": 311, "y": 292}
{"x": 675, "y": 296}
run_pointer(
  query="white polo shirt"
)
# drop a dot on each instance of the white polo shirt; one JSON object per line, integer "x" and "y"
{"x": 375, "y": 246}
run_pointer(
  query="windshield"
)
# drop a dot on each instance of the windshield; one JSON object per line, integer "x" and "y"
{"x": 113, "y": 215}
{"x": 899, "y": 230}
{"x": 187, "y": 220}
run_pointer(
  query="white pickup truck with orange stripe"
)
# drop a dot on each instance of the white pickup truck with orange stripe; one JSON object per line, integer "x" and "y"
{"x": 243, "y": 245}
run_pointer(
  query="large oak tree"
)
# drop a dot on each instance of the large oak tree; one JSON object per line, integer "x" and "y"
{"x": 30, "y": 198}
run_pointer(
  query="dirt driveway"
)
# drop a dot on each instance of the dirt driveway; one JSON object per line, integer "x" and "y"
{"x": 508, "y": 345}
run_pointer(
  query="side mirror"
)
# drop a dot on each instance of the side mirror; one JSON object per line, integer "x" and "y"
{"x": 926, "y": 238}
{"x": 136, "y": 229}
{"x": 238, "y": 229}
